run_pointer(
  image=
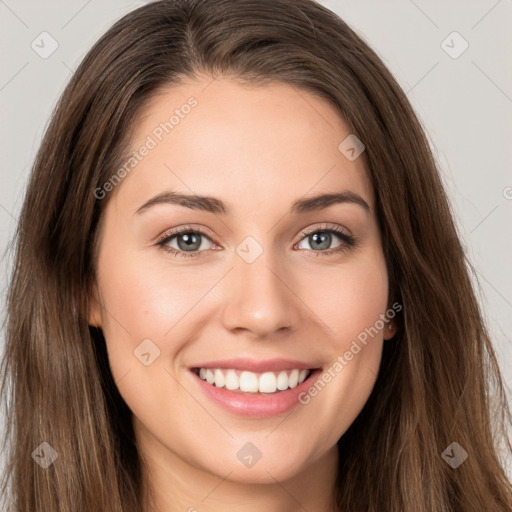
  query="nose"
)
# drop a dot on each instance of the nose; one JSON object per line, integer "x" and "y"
{"x": 258, "y": 298}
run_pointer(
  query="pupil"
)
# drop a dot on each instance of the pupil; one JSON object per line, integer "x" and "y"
{"x": 191, "y": 241}
{"x": 325, "y": 239}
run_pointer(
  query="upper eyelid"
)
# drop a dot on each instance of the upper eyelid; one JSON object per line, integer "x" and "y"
{"x": 171, "y": 233}
{"x": 329, "y": 226}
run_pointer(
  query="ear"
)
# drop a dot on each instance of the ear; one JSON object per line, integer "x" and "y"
{"x": 390, "y": 330}
{"x": 94, "y": 308}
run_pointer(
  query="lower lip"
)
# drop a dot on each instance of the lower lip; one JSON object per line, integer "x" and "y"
{"x": 258, "y": 405}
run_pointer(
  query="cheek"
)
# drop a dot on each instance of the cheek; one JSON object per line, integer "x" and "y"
{"x": 143, "y": 324}
{"x": 145, "y": 300}
{"x": 348, "y": 298}
{"x": 352, "y": 309}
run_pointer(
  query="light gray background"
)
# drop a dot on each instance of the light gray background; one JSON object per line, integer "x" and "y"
{"x": 465, "y": 105}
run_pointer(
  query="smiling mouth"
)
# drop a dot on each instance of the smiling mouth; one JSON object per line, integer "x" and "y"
{"x": 242, "y": 381}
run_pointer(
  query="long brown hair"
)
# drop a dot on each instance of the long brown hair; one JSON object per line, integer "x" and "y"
{"x": 439, "y": 381}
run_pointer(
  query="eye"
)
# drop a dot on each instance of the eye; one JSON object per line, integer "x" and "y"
{"x": 188, "y": 242}
{"x": 321, "y": 239}
{"x": 184, "y": 240}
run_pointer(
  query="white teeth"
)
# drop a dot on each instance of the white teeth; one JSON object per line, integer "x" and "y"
{"x": 250, "y": 382}
{"x": 267, "y": 383}
{"x": 293, "y": 379}
{"x": 232, "y": 380}
{"x": 282, "y": 381}
{"x": 219, "y": 379}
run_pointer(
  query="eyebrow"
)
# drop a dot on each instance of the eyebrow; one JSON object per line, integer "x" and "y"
{"x": 214, "y": 205}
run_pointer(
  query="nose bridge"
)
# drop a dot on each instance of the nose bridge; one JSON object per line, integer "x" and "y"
{"x": 258, "y": 298}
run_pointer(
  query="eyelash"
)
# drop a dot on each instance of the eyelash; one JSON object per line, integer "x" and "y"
{"x": 348, "y": 241}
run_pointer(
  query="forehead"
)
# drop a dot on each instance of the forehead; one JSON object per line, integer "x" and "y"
{"x": 252, "y": 146}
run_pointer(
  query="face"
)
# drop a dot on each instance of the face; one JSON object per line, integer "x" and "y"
{"x": 235, "y": 318}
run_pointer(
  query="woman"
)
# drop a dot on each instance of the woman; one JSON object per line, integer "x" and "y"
{"x": 177, "y": 340}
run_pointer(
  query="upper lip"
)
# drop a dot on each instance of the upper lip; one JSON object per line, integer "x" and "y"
{"x": 252, "y": 365}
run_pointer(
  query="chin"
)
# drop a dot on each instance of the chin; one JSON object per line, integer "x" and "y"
{"x": 248, "y": 465}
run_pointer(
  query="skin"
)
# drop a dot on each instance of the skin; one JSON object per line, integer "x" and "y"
{"x": 258, "y": 149}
